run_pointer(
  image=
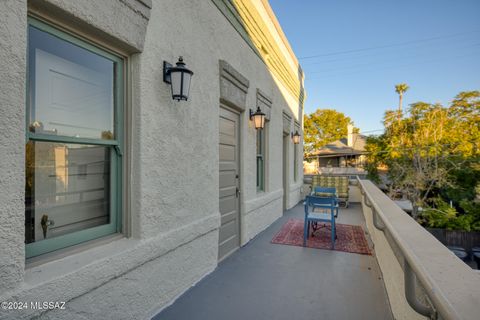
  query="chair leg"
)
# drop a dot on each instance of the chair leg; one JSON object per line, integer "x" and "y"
{"x": 334, "y": 231}
{"x": 306, "y": 226}
{"x": 314, "y": 227}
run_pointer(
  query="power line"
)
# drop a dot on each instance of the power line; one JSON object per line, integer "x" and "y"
{"x": 386, "y": 46}
{"x": 421, "y": 46}
{"x": 475, "y": 46}
{"x": 404, "y": 65}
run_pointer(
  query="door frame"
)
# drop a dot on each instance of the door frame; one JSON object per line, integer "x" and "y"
{"x": 239, "y": 176}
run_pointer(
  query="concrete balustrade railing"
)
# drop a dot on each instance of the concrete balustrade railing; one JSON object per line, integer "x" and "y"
{"x": 422, "y": 277}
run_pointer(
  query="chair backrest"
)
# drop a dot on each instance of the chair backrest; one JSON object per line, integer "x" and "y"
{"x": 311, "y": 201}
{"x": 324, "y": 192}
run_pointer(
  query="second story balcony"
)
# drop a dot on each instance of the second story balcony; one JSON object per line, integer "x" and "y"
{"x": 405, "y": 273}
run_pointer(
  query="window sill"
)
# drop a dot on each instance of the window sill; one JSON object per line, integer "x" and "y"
{"x": 66, "y": 252}
{"x": 64, "y": 261}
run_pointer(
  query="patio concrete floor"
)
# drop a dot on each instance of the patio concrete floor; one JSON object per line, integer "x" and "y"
{"x": 270, "y": 281}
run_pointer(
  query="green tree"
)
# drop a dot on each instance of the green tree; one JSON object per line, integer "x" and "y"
{"x": 433, "y": 157}
{"x": 322, "y": 127}
{"x": 375, "y": 147}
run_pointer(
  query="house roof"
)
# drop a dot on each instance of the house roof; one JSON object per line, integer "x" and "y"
{"x": 341, "y": 148}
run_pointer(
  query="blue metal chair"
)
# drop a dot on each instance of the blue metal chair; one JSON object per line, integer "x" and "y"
{"x": 324, "y": 191}
{"x": 327, "y": 192}
{"x": 326, "y": 203}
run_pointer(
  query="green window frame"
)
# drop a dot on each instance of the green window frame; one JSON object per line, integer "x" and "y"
{"x": 295, "y": 162}
{"x": 114, "y": 147}
{"x": 261, "y": 159}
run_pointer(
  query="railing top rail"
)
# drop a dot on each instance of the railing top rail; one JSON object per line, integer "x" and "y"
{"x": 451, "y": 285}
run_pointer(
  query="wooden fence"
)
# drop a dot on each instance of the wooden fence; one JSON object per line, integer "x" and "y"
{"x": 464, "y": 239}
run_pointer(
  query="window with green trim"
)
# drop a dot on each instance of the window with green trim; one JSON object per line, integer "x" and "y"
{"x": 74, "y": 136}
{"x": 261, "y": 159}
{"x": 295, "y": 162}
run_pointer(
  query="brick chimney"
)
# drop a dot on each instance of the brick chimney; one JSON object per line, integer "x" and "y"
{"x": 350, "y": 135}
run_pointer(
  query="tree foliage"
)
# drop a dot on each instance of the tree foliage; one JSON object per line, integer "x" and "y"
{"x": 322, "y": 127}
{"x": 433, "y": 157}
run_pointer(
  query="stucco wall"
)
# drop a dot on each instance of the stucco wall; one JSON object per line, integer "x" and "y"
{"x": 174, "y": 214}
{"x": 13, "y": 17}
{"x": 120, "y": 21}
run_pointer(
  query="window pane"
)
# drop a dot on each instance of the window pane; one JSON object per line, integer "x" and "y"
{"x": 295, "y": 161}
{"x": 259, "y": 173}
{"x": 71, "y": 89}
{"x": 260, "y": 159}
{"x": 67, "y": 189}
{"x": 259, "y": 142}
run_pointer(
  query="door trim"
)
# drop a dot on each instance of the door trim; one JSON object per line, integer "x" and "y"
{"x": 239, "y": 174}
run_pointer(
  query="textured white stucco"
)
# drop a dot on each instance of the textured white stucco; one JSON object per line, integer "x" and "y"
{"x": 136, "y": 295}
{"x": 174, "y": 178}
{"x": 13, "y": 18}
{"x": 122, "y": 21}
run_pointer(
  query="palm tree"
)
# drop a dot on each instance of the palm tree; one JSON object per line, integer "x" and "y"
{"x": 401, "y": 89}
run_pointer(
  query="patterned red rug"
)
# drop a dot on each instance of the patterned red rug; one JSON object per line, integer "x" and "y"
{"x": 349, "y": 238}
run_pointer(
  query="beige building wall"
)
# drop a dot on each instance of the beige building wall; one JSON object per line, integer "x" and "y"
{"x": 171, "y": 208}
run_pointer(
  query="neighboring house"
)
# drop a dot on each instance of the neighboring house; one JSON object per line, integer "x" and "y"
{"x": 114, "y": 197}
{"x": 344, "y": 156}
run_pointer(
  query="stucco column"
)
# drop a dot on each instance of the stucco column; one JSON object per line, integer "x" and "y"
{"x": 13, "y": 49}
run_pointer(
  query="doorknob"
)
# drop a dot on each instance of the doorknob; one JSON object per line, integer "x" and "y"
{"x": 237, "y": 192}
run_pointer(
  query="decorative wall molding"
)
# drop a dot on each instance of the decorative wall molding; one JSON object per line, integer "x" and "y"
{"x": 287, "y": 122}
{"x": 265, "y": 104}
{"x": 233, "y": 86}
{"x": 121, "y": 23}
{"x": 246, "y": 18}
{"x": 296, "y": 125}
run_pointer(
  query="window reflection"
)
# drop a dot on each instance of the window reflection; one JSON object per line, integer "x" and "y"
{"x": 260, "y": 159}
{"x": 71, "y": 89}
{"x": 67, "y": 188}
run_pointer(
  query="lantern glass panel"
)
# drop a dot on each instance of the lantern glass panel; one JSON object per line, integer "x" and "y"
{"x": 176, "y": 84}
{"x": 186, "y": 84}
{"x": 259, "y": 121}
{"x": 296, "y": 138}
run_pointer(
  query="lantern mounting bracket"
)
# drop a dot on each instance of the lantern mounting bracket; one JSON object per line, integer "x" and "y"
{"x": 251, "y": 114}
{"x": 166, "y": 72}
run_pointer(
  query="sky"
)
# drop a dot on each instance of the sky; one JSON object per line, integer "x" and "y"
{"x": 354, "y": 52}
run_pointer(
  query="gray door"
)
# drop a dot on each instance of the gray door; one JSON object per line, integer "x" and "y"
{"x": 229, "y": 234}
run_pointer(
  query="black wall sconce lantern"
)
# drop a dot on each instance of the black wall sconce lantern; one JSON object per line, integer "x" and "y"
{"x": 258, "y": 118}
{"x": 296, "y": 137}
{"x": 179, "y": 78}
